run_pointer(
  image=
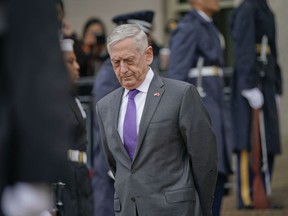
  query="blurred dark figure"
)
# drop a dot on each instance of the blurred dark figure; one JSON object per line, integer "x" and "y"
{"x": 197, "y": 57}
{"x": 91, "y": 51}
{"x": 78, "y": 194}
{"x": 33, "y": 92}
{"x": 65, "y": 29}
{"x": 256, "y": 85}
{"x": 105, "y": 82}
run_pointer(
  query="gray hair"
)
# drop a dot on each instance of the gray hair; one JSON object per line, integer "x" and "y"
{"x": 124, "y": 31}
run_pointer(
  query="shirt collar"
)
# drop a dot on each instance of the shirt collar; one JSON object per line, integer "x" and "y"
{"x": 146, "y": 83}
{"x": 204, "y": 16}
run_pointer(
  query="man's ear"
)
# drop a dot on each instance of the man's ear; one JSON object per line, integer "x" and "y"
{"x": 149, "y": 55}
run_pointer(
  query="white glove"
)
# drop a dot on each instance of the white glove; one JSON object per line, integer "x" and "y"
{"x": 25, "y": 199}
{"x": 254, "y": 97}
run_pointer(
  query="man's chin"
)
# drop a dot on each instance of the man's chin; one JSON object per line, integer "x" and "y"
{"x": 128, "y": 84}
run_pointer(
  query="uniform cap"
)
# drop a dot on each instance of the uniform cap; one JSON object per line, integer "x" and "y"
{"x": 66, "y": 45}
{"x": 143, "y": 18}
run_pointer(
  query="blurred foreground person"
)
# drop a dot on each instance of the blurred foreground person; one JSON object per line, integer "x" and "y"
{"x": 257, "y": 85}
{"x": 78, "y": 194}
{"x": 197, "y": 57}
{"x": 156, "y": 135}
{"x": 33, "y": 93}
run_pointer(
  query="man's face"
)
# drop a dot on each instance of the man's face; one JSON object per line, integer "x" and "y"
{"x": 130, "y": 65}
{"x": 210, "y": 6}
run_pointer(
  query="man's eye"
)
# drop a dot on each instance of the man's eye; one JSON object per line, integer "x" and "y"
{"x": 130, "y": 61}
{"x": 116, "y": 63}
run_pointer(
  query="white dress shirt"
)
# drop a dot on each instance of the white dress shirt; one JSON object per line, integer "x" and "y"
{"x": 140, "y": 99}
{"x": 204, "y": 16}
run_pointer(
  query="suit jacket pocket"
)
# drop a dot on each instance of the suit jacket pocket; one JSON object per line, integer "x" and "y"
{"x": 117, "y": 205}
{"x": 182, "y": 195}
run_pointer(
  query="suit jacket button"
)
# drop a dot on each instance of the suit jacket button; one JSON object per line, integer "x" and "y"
{"x": 133, "y": 171}
{"x": 133, "y": 199}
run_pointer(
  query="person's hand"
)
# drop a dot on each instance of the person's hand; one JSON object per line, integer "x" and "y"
{"x": 254, "y": 97}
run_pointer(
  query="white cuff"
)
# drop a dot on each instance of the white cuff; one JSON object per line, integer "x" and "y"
{"x": 110, "y": 174}
{"x": 254, "y": 97}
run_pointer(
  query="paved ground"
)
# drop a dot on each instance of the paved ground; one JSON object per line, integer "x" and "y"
{"x": 279, "y": 191}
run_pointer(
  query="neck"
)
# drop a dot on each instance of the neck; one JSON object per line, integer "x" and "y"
{"x": 204, "y": 16}
{"x": 199, "y": 7}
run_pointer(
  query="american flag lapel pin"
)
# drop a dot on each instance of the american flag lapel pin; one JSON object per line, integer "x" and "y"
{"x": 157, "y": 94}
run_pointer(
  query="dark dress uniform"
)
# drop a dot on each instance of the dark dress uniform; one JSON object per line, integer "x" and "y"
{"x": 250, "y": 22}
{"x": 193, "y": 38}
{"x": 78, "y": 193}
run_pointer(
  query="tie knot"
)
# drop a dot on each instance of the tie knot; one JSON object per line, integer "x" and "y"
{"x": 132, "y": 93}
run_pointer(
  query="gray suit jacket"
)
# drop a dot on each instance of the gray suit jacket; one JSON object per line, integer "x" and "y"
{"x": 175, "y": 155}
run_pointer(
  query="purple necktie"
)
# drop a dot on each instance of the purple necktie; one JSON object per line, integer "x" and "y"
{"x": 130, "y": 127}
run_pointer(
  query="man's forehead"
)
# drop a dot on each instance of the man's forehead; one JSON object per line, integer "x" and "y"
{"x": 123, "y": 49}
{"x": 121, "y": 56}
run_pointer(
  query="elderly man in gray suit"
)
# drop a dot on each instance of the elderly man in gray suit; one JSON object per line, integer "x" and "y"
{"x": 156, "y": 135}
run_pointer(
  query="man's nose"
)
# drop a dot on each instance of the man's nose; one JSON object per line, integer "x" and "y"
{"x": 123, "y": 67}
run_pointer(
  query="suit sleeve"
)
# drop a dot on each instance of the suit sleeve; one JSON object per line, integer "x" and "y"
{"x": 109, "y": 156}
{"x": 183, "y": 45}
{"x": 195, "y": 125}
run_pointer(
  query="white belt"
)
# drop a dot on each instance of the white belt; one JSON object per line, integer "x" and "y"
{"x": 77, "y": 156}
{"x": 206, "y": 71}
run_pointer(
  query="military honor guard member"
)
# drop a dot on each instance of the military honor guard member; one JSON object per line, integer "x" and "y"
{"x": 257, "y": 85}
{"x": 77, "y": 192}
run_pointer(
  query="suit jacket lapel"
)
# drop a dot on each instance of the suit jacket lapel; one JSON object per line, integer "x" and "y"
{"x": 117, "y": 99}
{"x": 153, "y": 98}
{"x": 76, "y": 109}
